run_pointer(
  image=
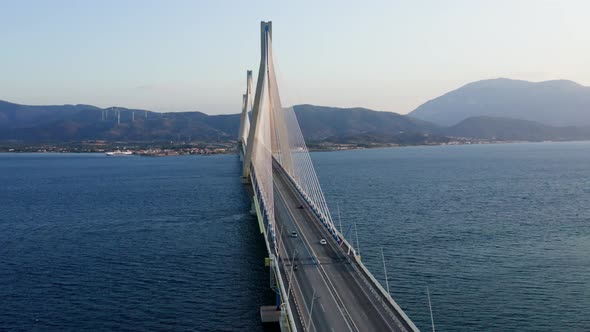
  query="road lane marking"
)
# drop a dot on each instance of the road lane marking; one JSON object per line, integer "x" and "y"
{"x": 322, "y": 231}
{"x": 317, "y": 229}
{"x": 309, "y": 279}
{"x": 292, "y": 219}
{"x": 338, "y": 253}
{"x": 332, "y": 289}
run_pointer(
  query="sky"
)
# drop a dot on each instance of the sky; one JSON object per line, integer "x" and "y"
{"x": 193, "y": 55}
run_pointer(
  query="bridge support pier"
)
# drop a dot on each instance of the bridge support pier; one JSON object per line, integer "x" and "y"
{"x": 252, "y": 208}
{"x": 270, "y": 314}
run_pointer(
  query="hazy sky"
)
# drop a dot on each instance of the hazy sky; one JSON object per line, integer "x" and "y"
{"x": 193, "y": 55}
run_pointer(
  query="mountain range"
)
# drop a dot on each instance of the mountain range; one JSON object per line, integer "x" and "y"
{"x": 499, "y": 109}
{"x": 552, "y": 103}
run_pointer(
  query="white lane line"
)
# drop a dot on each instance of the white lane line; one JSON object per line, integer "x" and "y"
{"x": 319, "y": 267}
{"x": 297, "y": 290}
{"x": 380, "y": 304}
{"x": 304, "y": 238}
{"x": 298, "y": 286}
{"x": 292, "y": 219}
{"x": 371, "y": 299}
{"x": 324, "y": 275}
{"x": 297, "y": 294}
{"x": 338, "y": 254}
{"x": 321, "y": 305}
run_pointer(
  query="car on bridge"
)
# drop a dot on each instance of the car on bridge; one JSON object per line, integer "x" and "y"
{"x": 323, "y": 242}
{"x": 293, "y": 234}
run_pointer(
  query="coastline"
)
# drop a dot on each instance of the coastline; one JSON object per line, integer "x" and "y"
{"x": 226, "y": 147}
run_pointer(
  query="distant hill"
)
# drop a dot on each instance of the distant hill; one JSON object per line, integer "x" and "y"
{"x": 74, "y": 123}
{"x": 85, "y": 122}
{"x": 18, "y": 116}
{"x": 320, "y": 123}
{"x": 505, "y": 129}
{"x": 554, "y": 103}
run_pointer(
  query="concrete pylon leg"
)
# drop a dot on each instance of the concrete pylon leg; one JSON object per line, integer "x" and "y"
{"x": 252, "y": 209}
{"x": 265, "y": 38}
{"x": 246, "y": 108}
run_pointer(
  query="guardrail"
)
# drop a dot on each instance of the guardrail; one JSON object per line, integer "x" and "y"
{"x": 272, "y": 252}
{"x": 351, "y": 256}
{"x": 293, "y": 280}
{"x": 334, "y": 233}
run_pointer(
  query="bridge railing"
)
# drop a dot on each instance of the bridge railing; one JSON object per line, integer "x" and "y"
{"x": 296, "y": 294}
{"x": 351, "y": 255}
{"x": 268, "y": 227}
{"x": 286, "y": 311}
{"x": 334, "y": 232}
{"x": 379, "y": 291}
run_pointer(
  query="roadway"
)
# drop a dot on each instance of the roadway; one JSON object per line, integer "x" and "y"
{"x": 343, "y": 299}
{"x": 308, "y": 281}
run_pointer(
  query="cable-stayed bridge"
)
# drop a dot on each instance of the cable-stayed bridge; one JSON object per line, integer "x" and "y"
{"x": 319, "y": 279}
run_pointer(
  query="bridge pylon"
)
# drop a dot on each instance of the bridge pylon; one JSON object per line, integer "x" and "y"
{"x": 268, "y": 115}
{"x": 277, "y": 164}
{"x": 255, "y": 131}
{"x": 246, "y": 108}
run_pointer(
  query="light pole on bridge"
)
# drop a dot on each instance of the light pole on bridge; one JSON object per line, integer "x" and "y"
{"x": 385, "y": 270}
{"x": 291, "y": 276}
{"x": 311, "y": 311}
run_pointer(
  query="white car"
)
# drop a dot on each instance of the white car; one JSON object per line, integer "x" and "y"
{"x": 323, "y": 242}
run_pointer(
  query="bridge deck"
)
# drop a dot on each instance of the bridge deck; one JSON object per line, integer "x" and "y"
{"x": 344, "y": 300}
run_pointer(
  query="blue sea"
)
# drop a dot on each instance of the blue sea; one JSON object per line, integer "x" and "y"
{"x": 499, "y": 234}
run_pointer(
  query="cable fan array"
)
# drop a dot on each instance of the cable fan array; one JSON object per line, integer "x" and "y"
{"x": 276, "y": 136}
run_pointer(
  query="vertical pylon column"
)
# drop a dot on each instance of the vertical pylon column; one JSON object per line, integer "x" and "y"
{"x": 265, "y": 36}
{"x": 281, "y": 144}
{"x": 258, "y": 157}
{"x": 246, "y": 108}
{"x": 267, "y": 105}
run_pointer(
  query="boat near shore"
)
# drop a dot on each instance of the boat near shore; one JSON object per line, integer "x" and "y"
{"x": 119, "y": 153}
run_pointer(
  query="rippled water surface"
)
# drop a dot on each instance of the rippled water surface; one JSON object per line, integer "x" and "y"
{"x": 89, "y": 242}
{"x": 500, "y": 234}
